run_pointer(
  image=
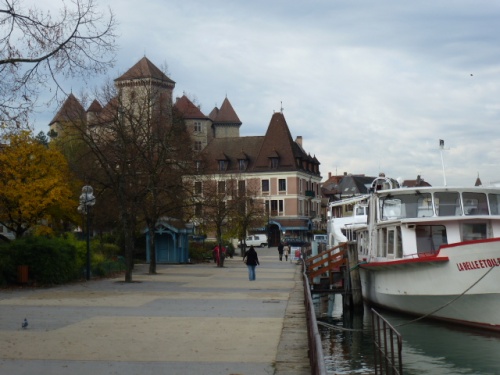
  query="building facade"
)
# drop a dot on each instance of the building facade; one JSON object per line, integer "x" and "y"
{"x": 283, "y": 177}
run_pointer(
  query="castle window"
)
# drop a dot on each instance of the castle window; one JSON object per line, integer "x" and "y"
{"x": 223, "y": 164}
{"x": 241, "y": 187}
{"x": 282, "y": 184}
{"x": 221, "y": 187}
{"x": 242, "y": 163}
{"x": 197, "y": 145}
{"x": 198, "y": 209}
{"x": 197, "y": 126}
{"x": 197, "y": 187}
{"x": 265, "y": 186}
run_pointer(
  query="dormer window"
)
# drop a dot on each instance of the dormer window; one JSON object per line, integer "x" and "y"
{"x": 242, "y": 164}
{"x": 275, "y": 162}
{"x": 223, "y": 164}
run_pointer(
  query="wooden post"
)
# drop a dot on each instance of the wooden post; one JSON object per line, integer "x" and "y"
{"x": 357, "y": 297}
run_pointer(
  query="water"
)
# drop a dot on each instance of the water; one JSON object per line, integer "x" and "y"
{"x": 428, "y": 347}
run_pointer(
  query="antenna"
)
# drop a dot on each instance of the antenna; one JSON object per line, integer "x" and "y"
{"x": 281, "y": 109}
{"x": 441, "y": 149}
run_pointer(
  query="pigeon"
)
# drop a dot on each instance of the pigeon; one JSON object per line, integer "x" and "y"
{"x": 25, "y": 323}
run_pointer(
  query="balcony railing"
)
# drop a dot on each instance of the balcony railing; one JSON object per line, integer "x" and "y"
{"x": 310, "y": 193}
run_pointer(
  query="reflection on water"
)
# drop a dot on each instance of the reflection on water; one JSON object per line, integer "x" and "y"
{"x": 428, "y": 347}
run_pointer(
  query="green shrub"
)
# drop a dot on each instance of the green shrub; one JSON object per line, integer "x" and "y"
{"x": 198, "y": 252}
{"x": 50, "y": 260}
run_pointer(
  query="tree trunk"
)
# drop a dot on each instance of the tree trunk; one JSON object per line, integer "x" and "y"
{"x": 152, "y": 248}
{"x": 128, "y": 237}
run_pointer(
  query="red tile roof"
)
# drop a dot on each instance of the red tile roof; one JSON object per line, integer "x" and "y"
{"x": 144, "y": 69}
{"x": 95, "y": 107}
{"x": 188, "y": 109}
{"x": 225, "y": 114}
{"x": 258, "y": 149}
{"x": 71, "y": 110}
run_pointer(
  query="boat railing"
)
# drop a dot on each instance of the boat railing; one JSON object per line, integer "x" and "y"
{"x": 388, "y": 358}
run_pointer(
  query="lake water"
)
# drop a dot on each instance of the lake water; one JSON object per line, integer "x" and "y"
{"x": 428, "y": 347}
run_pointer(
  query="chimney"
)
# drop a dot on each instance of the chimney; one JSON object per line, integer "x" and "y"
{"x": 329, "y": 175}
{"x": 299, "y": 140}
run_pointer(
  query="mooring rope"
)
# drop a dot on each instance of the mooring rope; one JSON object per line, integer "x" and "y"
{"x": 416, "y": 319}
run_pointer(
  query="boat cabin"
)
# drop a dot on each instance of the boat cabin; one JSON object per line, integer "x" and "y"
{"x": 416, "y": 222}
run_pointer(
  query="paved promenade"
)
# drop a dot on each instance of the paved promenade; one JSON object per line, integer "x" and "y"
{"x": 187, "y": 319}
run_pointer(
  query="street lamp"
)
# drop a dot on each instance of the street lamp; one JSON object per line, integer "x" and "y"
{"x": 87, "y": 200}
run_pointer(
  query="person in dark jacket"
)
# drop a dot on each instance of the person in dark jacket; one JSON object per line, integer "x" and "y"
{"x": 252, "y": 260}
{"x": 280, "y": 250}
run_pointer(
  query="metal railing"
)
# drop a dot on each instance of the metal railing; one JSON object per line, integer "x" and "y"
{"x": 316, "y": 358}
{"x": 385, "y": 337}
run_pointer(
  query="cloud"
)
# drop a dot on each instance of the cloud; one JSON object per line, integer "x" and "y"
{"x": 371, "y": 86}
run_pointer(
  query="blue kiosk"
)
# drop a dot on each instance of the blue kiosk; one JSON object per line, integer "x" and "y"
{"x": 171, "y": 241}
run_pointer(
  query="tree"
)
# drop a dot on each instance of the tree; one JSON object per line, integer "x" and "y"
{"x": 34, "y": 187}
{"x": 136, "y": 148}
{"x": 249, "y": 211}
{"x": 37, "y": 51}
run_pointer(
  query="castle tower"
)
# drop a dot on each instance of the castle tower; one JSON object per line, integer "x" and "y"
{"x": 146, "y": 86}
{"x": 225, "y": 121}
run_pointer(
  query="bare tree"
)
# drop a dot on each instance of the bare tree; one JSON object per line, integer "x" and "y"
{"x": 136, "y": 147}
{"x": 248, "y": 209}
{"x": 37, "y": 51}
{"x": 230, "y": 205}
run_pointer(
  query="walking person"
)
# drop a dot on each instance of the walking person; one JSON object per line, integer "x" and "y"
{"x": 280, "y": 250}
{"x": 252, "y": 260}
{"x": 287, "y": 251}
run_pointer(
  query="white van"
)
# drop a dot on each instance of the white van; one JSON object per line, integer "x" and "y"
{"x": 256, "y": 240}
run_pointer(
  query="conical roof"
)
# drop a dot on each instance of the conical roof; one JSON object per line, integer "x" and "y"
{"x": 188, "y": 109}
{"x": 144, "y": 69}
{"x": 278, "y": 142}
{"x": 95, "y": 107}
{"x": 226, "y": 114}
{"x": 71, "y": 110}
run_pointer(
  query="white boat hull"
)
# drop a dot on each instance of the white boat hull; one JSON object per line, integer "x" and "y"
{"x": 460, "y": 284}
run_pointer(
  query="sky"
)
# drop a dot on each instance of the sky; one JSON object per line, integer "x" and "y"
{"x": 371, "y": 86}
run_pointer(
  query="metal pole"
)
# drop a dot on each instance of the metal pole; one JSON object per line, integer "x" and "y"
{"x": 88, "y": 242}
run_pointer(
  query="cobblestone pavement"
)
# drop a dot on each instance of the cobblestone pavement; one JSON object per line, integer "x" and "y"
{"x": 187, "y": 319}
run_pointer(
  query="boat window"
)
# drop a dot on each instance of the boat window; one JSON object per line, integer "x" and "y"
{"x": 381, "y": 251}
{"x": 494, "y": 204}
{"x": 390, "y": 243}
{"x": 394, "y": 243}
{"x": 447, "y": 203}
{"x": 407, "y": 206}
{"x": 474, "y": 231}
{"x": 475, "y": 203}
{"x": 360, "y": 211}
{"x": 399, "y": 243}
{"x": 390, "y": 208}
{"x": 430, "y": 238}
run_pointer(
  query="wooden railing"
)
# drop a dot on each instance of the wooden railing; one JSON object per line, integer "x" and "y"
{"x": 326, "y": 261}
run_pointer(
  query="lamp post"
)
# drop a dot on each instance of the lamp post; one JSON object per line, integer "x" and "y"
{"x": 87, "y": 200}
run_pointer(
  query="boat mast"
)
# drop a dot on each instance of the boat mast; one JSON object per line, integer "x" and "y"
{"x": 441, "y": 148}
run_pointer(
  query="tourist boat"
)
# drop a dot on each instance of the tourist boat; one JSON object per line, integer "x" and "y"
{"x": 432, "y": 251}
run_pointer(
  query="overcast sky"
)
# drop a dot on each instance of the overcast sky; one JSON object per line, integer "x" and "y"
{"x": 370, "y": 85}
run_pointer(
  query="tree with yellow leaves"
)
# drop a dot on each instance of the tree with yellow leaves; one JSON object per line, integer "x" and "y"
{"x": 34, "y": 184}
